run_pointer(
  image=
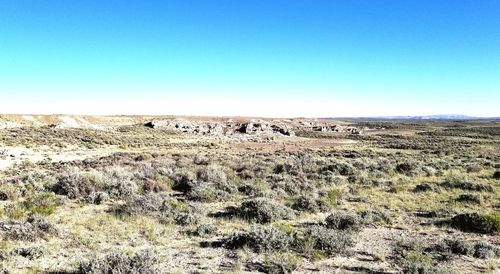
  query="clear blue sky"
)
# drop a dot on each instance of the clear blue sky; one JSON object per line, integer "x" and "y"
{"x": 259, "y": 57}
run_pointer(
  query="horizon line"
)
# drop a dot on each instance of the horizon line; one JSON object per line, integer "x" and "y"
{"x": 388, "y": 117}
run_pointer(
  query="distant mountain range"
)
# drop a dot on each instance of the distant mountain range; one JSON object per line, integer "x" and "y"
{"x": 425, "y": 117}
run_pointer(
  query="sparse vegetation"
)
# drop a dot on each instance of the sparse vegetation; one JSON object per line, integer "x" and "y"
{"x": 260, "y": 238}
{"x": 419, "y": 197}
{"x": 121, "y": 263}
{"x": 329, "y": 241}
{"x": 33, "y": 229}
{"x": 473, "y": 222}
{"x": 263, "y": 210}
{"x": 343, "y": 221}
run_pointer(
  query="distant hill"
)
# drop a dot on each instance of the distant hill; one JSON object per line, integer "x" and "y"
{"x": 435, "y": 117}
{"x": 425, "y": 117}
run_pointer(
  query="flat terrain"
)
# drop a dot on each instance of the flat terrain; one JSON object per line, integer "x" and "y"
{"x": 137, "y": 194}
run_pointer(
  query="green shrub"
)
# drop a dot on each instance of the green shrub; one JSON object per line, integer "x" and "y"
{"x": 15, "y": 211}
{"x": 333, "y": 197}
{"x": 341, "y": 168}
{"x": 44, "y": 203}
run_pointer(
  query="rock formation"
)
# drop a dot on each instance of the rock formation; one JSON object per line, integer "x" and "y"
{"x": 251, "y": 128}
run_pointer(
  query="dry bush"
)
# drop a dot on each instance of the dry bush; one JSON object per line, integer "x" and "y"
{"x": 212, "y": 173}
{"x": 291, "y": 185}
{"x": 276, "y": 263}
{"x": 254, "y": 187}
{"x": 485, "y": 250}
{"x": 263, "y": 210}
{"x": 216, "y": 176}
{"x": 9, "y": 191}
{"x": 116, "y": 181}
{"x": 422, "y": 267}
{"x": 31, "y": 252}
{"x": 340, "y": 167}
{"x": 496, "y": 174}
{"x": 473, "y": 222}
{"x": 452, "y": 246}
{"x": 188, "y": 217}
{"x": 408, "y": 168}
{"x": 120, "y": 263}
{"x": 32, "y": 229}
{"x": 329, "y": 241}
{"x": 206, "y": 192}
{"x": 155, "y": 176}
{"x": 260, "y": 239}
{"x": 473, "y": 168}
{"x": 24, "y": 181}
{"x": 204, "y": 230}
{"x": 153, "y": 170}
{"x": 183, "y": 180}
{"x": 156, "y": 186}
{"x": 469, "y": 198}
{"x": 119, "y": 182}
{"x": 75, "y": 183}
{"x": 200, "y": 159}
{"x": 160, "y": 206}
{"x": 424, "y": 187}
{"x": 310, "y": 203}
{"x": 456, "y": 179}
{"x": 413, "y": 259}
{"x": 157, "y": 205}
{"x": 298, "y": 164}
{"x": 97, "y": 197}
{"x": 371, "y": 217}
{"x": 342, "y": 220}
{"x": 208, "y": 185}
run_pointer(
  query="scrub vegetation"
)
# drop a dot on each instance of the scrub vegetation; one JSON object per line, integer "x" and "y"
{"x": 398, "y": 197}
